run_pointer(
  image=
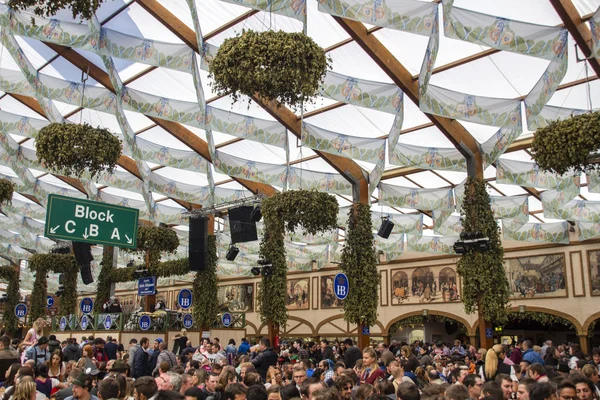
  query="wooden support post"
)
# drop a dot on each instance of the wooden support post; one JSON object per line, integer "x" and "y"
{"x": 364, "y": 340}
{"x": 484, "y": 341}
{"x": 150, "y": 301}
{"x": 273, "y": 332}
{"x": 583, "y": 343}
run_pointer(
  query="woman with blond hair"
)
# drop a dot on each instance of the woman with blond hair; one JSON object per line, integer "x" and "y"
{"x": 372, "y": 370}
{"x": 25, "y": 390}
{"x": 494, "y": 364}
{"x": 273, "y": 377}
{"x": 36, "y": 332}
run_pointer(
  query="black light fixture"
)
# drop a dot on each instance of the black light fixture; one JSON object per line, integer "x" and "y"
{"x": 130, "y": 264}
{"x": 255, "y": 214}
{"x": 571, "y": 226}
{"x": 471, "y": 241}
{"x": 386, "y": 228}
{"x": 266, "y": 270}
{"x": 60, "y": 291}
{"x": 232, "y": 253}
{"x": 4, "y": 298}
{"x": 255, "y": 271}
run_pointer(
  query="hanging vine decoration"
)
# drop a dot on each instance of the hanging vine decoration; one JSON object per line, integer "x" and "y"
{"x": 206, "y": 285}
{"x": 105, "y": 280}
{"x": 9, "y": 275}
{"x": 485, "y": 287}
{"x": 423, "y": 319}
{"x": 542, "y": 318}
{"x": 591, "y": 328}
{"x": 359, "y": 263}
{"x": 83, "y": 9}
{"x": 307, "y": 209}
{"x": 41, "y": 265}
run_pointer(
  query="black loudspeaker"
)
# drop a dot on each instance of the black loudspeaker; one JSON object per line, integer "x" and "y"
{"x": 385, "y": 229}
{"x": 198, "y": 243}
{"x": 242, "y": 228}
{"x": 83, "y": 256}
{"x": 451, "y": 327}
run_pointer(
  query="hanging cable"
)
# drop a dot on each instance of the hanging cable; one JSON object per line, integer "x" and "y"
{"x": 84, "y": 77}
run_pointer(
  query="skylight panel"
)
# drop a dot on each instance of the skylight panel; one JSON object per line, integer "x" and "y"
{"x": 407, "y": 48}
{"x": 255, "y": 151}
{"x": 167, "y": 83}
{"x": 533, "y": 11}
{"x": 36, "y": 52}
{"x": 123, "y": 193}
{"x": 480, "y": 132}
{"x": 355, "y": 121}
{"x": 97, "y": 119}
{"x": 128, "y": 69}
{"x": 455, "y": 177}
{"x": 137, "y": 121}
{"x": 179, "y": 9}
{"x": 160, "y": 136}
{"x": 586, "y": 7}
{"x": 322, "y": 27}
{"x": 55, "y": 181}
{"x": 413, "y": 116}
{"x": 577, "y": 97}
{"x": 213, "y": 14}
{"x": 428, "y": 179}
{"x": 430, "y": 136}
{"x": 509, "y": 190}
{"x": 94, "y": 58}
{"x": 9, "y": 104}
{"x": 318, "y": 164}
{"x": 63, "y": 69}
{"x": 352, "y": 60}
{"x": 180, "y": 175}
{"x": 136, "y": 21}
{"x": 243, "y": 106}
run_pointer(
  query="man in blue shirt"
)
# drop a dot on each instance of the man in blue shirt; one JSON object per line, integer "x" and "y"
{"x": 458, "y": 349}
{"x": 244, "y": 347}
{"x": 529, "y": 355}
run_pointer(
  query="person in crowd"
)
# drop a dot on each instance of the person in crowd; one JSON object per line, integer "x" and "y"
{"x": 140, "y": 360}
{"x": 39, "y": 353}
{"x": 473, "y": 383}
{"x": 82, "y": 386}
{"x": 529, "y": 354}
{"x": 265, "y": 359}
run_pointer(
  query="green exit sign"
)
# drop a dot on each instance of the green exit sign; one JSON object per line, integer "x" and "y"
{"x": 91, "y": 221}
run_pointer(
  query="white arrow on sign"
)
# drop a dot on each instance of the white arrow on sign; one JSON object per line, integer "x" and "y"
{"x": 53, "y": 230}
{"x": 129, "y": 241}
{"x": 85, "y": 234}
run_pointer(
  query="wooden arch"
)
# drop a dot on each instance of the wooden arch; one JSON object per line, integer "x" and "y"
{"x": 570, "y": 318}
{"x": 285, "y": 331}
{"x": 589, "y": 320}
{"x": 470, "y": 329}
{"x": 348, "y": 331}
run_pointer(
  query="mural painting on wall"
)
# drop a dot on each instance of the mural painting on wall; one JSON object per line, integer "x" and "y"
{"x": 298, "y": 294}
{"x": 537, "y": 276}
{"x": 594, "y": 265}
{"x": 328, "y": 299}
{"x": 424, "y": 285}
{"x": 236, "y": 298}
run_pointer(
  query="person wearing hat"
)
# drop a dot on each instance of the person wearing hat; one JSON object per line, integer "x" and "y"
{"x": 39, "y": 353}
{"x": 82, "y": 385}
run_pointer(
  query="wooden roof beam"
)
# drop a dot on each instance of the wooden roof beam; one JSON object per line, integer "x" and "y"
{"x": 455, "y": 132}
{"x": 578, "y": 29}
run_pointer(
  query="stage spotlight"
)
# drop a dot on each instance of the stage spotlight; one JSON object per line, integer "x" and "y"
{"x": 232, "y": 253}
{"x": 266, "y": 270}
{"x": 255, "y": 271}
{"x": 386, "y": 228}
{"x": 130, "y": 264}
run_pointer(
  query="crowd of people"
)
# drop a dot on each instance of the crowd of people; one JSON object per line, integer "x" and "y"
{"x": 41, "y": 368}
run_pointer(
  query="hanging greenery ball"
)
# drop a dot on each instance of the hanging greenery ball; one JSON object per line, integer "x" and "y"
{"x": 568, "y": 144}
{"x": 282, "y": 66}
{"x": 71, "y": 149}
{"x": 6, "y": 190}
{"x": 83, "y": 9}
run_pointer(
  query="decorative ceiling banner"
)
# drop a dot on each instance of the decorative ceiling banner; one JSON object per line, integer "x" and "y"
{"x": 330, "y": 237}
{"x": 595, "y": 28}
{"x": 549, "y": 114}
{"x": 225, "y": 195}
{"x": 553, "y": 199}
{"x": 421, "y": 199}
{"x": 392, "y": 247}
{"x": 290, "y": 8}
{"x": 576, "y": 210}
{"x": 180, "y": 190}
{"x": 255, "y": 171}
{"x": 588, "y": 230}
{"x": 431, "y": 244}
{"x": 358, "y": 148}
{"x": 556, "y": 232}
{"x": 32, "y": 242}
{"x": 125, "y": 202}
{"x": 405, "y": 15}
{"x": 528, "y": 174}
{"x": 446, "y": 224}
{"x": 321, "y": 181}
{"x": 449, "y": 159}
{"x": 411, "y": 224}
{"x": 170, "y": 215}
{"x": 226, "y": 269}
{"x": 14, "y": 251}
{"x": 20, "y": 125}
{"x": 385, "y": 97}
{"x": 24, "y": 224}
{"x": 593, "y": 181}
{"x": 246, "y": 127}
{"x": 509, "y": 206}
{"x": 25, "y": 208}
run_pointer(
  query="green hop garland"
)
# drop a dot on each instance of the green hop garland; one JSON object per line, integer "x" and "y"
{"x": 485, "y": 288}
{"x": 6, "y": 190}
{"x": 542, "y": 318}
{"x": 206, "y": 285}
{"x": 73, "y": 149}
{"x": 423, "y": 319}
{"x": 42, "y": 264}
{"x": 281, "y": 66}
{"x": 307, "y": 209}
{"x": 9, "y": 274}
{"x": 359, "y": 263}
{"x": 567, "y": 144}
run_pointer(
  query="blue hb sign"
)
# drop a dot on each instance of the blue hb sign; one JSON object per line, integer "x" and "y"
{"x": 226, "y": 319}
{"x": 85, "y": 321}
{"x": 62, "y": 325}
{"x": 188, "y": 321}
{"x": 108, "y": 322}
{"x": 341, "y": 286}
{"x": 86, "y": 305}
{"x": 49, "y": 301}
{"x": 185, "y": 299}
{"x": 366, "y": 330}
{"x": 21, "y": 310}
{"x": 489, "y": 333}
{"x": 145, "y": 322}
{"x": 147, "y": 286}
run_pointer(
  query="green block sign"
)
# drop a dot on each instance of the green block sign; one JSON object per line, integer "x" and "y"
{"x": 91, "y": 221}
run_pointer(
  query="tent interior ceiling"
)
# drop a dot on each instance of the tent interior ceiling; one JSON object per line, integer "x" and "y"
{"x": 461, "y": 66}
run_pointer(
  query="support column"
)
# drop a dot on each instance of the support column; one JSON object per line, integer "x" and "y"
{"x": 363, "y": 340}
{"x": 115, "y": 253}
{"x": 149, "y": 301}
{"x": 583, "y": 343}
{"x": 484, "y": 342}
{"x": 273, "y": 332}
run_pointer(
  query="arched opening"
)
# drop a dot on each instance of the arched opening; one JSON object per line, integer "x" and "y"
{"x": 435, "y": 326}
{"x": 537, "y": 326}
